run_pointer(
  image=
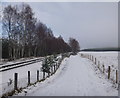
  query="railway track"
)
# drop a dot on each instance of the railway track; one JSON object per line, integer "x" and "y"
{"x": 19, "y": 64}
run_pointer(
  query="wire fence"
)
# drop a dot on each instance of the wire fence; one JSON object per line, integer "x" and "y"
{"x": 29, "y": 79}
{"x": 108, "y": 70}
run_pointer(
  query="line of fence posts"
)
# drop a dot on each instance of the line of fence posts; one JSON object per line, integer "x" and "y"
{"x": 53, "y": 70}
{"x": 16, "y": 79}
{"x": 55, "y": 67}
{"x": 93, "y": 59}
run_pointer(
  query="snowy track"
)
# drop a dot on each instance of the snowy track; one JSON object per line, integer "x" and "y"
{"x": 19, "y": 64}
{"x": 75, "y": 77}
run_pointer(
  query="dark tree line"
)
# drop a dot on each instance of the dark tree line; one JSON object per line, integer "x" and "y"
{"x": 28, "y": 37}
{"x": 74, "y": 44}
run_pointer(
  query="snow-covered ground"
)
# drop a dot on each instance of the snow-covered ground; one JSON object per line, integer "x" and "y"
{"x": 8, "y": 75}
{"x": 22, "y": 76}
{"x": 75, "y": 77}
{"x": 108, "y": 59}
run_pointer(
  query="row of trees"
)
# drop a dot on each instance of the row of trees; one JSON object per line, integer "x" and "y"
{"x": 28, "y": 37}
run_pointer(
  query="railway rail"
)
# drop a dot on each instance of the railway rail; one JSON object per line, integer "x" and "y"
{"x": 19, "y": 64}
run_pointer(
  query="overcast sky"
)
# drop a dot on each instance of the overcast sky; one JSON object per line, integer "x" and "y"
{"x": 92, "y": 24}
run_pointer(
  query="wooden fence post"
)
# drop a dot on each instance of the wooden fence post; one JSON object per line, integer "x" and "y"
{"x": 99, "y": 64}
{"x": 103, "y": 68}
{"x": 43, "y": 75}
{"x": 57, "y": 65}
{"x": 116, "y": 76}
{"x": 109, "y": 72}
{"x": 51, "y": 70}
{"x": 95, "y": 60}
{"x": 37, "y": 75}
{"x": 48, "y": 73}
{"x": 28, "y": 77}
{"x": 92, "y": 58}
{"x": 54, "y": 68}
{"x": 15, "y": 81}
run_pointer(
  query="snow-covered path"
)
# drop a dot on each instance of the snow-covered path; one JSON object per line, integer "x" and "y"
{"x": 75, "y": 77}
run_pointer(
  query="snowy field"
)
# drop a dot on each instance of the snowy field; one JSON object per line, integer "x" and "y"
{"x": 106, "y": 59}
{"x": 76, "y": 77}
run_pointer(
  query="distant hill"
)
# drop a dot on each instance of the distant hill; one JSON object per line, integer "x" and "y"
{"x": 101, "y": 49}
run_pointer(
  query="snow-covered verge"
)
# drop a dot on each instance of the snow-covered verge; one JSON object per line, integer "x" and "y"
{"x": 22, "y": 76}
{"x": 76, "y": 76}
{"x": 7, "y": 77}
{"x": 107, "y": 59}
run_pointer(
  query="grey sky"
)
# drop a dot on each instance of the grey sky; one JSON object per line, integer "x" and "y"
{"x": 92, "y": 24}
